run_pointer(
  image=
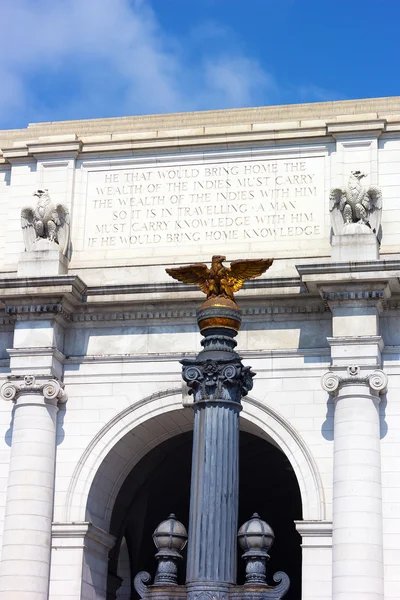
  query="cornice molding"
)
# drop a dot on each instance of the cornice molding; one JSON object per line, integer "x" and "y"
{"x": 204, "y": 128}
{"x": 38, "y": 310}
{"x": 141, "y": 314}
{"x": 81, "y": 535}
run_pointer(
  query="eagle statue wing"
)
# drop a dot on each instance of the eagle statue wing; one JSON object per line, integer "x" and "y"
{"x": 241, "y": 270}
{"x": 28, "y": 230}
{"x": 62, "y": 220}
{"x": 197, "y": 273}
{"x": 337, "y": 201}
{"x": 372, "y": 202}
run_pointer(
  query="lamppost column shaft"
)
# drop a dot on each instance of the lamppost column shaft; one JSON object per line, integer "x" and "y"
{"x": 214, "y": 494}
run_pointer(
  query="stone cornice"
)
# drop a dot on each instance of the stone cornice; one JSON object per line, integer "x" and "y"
{"x": 81, "y": 535}
{"x": 315, "y": 534}
{"x": 356, "y": 277}
{"x": 38, "y": 311}
{"x": 360, "y": 340}
{"x": 34, "y": 351}
{"x": 41, "y": 297}
{"x": 314, "y": 528}
{"x": 68, "y": 299}
{"x": 209, "y": 128}
{"x": 176, "y": 287}
{"x": 164, "y": 312}
{"x": 70, "y": 285}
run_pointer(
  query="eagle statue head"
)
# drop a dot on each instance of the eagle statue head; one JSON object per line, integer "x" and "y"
{"x": 358, "y": 174}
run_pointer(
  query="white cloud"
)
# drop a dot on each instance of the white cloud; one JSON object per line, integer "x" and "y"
{"x": 85, "y": 58}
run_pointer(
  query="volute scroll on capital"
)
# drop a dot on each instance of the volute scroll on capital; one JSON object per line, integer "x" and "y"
{"x": 377, "y": 380}
{"x": 52, "y": 389}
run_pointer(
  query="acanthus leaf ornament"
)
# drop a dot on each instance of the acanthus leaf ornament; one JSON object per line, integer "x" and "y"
{"x": 223, "y": 380}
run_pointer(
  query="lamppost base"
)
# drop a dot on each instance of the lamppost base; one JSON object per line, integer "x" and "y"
{"x": 209, "y": 590}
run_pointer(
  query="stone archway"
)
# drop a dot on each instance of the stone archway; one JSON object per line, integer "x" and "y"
{"x": 133, "y": 433}
{"x": 121, "y": 443}
{"x": 160, "y": 484}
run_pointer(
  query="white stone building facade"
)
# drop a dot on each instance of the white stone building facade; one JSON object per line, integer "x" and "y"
{"x": 96, "y": 432}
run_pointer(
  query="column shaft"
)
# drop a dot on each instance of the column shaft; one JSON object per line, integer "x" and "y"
{"x": 25, "y": 564}
{"x": 357, "y": 551}
{"x": 214, "y": 494}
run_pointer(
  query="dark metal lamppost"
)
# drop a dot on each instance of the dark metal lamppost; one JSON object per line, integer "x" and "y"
{"x": 218, "y": 380}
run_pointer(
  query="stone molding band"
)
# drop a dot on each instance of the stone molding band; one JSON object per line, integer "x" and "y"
{"x": 377, "y": 380}
{"x": 52, "y": 389}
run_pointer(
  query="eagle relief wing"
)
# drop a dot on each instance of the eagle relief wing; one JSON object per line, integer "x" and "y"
{"x": 241, "y": 270}
{"x": 197, "y": 274}
{"x": 337, "y": 201}
{"x": 373, "y": 199}
{"x": 62, "y": 220}
{"x": 28, "y": 230}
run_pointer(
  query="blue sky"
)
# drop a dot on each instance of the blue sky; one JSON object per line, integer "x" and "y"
{"x": 75, "y": 59}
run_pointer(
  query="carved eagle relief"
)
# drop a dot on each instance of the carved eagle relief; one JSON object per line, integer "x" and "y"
{"x": 355, "y": 203}
{"x": 219, "y": 280}
{"x": 46, "y": 221}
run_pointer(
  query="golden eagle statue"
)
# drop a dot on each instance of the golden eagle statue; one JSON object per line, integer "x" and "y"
{"x": 220, "y": 280}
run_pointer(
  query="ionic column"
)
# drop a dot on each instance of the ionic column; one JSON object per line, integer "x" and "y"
{"x": 357, "y": 543}
{"x": 25, "y": 564}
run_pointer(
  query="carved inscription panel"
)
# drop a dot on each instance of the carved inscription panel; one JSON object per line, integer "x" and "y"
{"x": 191, "y": 204}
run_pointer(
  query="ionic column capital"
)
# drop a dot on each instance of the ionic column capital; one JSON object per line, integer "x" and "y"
{"x": 51, "y": 389}
{"x": 377, "y": 381}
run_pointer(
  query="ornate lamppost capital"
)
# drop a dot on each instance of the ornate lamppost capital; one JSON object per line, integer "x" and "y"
{"x": 52, "y": 390}
{"x": 212, "y": 380}
{"x": 377, "y": 381}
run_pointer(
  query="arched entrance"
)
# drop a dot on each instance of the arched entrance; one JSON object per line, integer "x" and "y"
{"x": 160, "y": 484}
{"x": 100, "y": 475}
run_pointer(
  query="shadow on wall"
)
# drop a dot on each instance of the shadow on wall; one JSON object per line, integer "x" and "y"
{"x": 60, "y": 434}
{"x": 118, "y": 338}
{"x": 327, "y": 427}
{"x": 9, "y": 432}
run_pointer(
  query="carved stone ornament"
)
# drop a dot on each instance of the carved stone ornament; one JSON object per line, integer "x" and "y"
{"x": 52, "y": 389}
{"x": 217, "y": 380}
{"x": 46, "y": 221}
{"x": 355, "y": 208}
{"x": 377, "y": 380}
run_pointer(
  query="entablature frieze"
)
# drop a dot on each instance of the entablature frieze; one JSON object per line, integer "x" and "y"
{"x": 67, "y": 298}
{"x": 165, "y": 313}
